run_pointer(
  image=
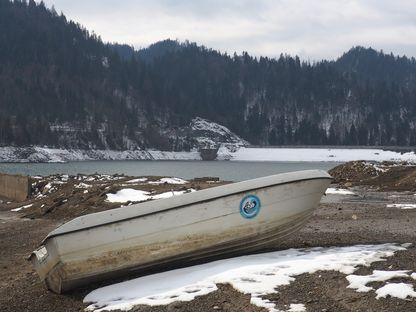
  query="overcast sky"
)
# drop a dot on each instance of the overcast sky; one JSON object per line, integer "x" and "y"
{"x": 312, "y": 29}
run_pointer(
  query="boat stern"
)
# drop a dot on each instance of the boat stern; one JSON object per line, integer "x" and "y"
{"x": 46, "y": 263}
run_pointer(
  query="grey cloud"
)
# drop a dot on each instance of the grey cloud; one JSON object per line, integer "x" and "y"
{"x": 311, "y": 29}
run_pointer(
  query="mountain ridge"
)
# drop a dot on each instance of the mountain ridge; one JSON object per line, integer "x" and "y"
{"x": 65, "y": 88}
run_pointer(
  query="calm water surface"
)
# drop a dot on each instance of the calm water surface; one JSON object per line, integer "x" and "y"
{"x": 225, "y": 170}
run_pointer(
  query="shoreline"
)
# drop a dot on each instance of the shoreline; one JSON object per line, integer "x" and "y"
{"x": 38, "y": 154}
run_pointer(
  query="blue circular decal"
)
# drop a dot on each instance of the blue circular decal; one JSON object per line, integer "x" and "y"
{"x": 250, "y": 206}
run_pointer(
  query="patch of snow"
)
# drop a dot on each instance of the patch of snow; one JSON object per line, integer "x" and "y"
{"x": 377, "y": 167}
{"x": 58, "y": 182}
{"x": 318, "y": 154}
{"x": 257, "y": 275}
{"x": 297, "y": 307}
{"x": 82, "y": 185}
{"x": 402, "y": 206}
{"x": 398, "y": 290}
{"x": 169, "y": 181}
{"x": 263, "y": 303}
{"x": 160, "y": 155}
{"x": 199, "y": 123}
{"x": 23, "y": 207}
{"x": 359, "y": 282}
{"x": 413, "y": 275}
{"x": 139, "y": 180}
{"x": 338, "y": 191}
{"x": 209, "y": 133}
{"x": 128, "y": 194}
{"x": 104, "y": 61}
{"x": 44, "y": 154}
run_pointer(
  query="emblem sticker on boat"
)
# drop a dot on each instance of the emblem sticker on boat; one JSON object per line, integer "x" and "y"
{"x": 250, "y": 206}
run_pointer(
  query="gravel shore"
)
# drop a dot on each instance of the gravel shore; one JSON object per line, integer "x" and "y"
{"x": 363, "y": 218}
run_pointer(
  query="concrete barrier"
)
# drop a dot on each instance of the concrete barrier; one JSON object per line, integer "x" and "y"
{"x": 14, "y": 187}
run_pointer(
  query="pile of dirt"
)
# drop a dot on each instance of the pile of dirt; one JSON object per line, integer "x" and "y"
{"x": 353, "y": 172}
{"x": 382, "y": 176}
{"x": 64, "y": 197}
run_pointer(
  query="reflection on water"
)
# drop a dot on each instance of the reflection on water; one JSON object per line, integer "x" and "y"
{"x": 225, "y": 170}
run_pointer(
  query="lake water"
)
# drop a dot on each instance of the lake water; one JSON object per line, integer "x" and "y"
{"x": 225, "y": 170}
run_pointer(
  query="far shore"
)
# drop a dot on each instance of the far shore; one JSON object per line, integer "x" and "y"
{"x": 231, "y": 152}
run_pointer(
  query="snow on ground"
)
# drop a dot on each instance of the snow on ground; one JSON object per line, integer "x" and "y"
{"x": 45, "y": 154}
{"x": 338, "y": 191}
{"x": 208, "y": 133}
{"x": 402, "y": 206}
{"x": 159, "y": 155}
{"x": 377, "y": 167}
{"x": 398, "y": 290}
{"x": 128, "y": 194}
{"x": 169, "y": 181}
{"x": 319, "y": 154}
{"x": 225, "y": 152}
{"x": 101, "y": 178}
{"x": 82, "y": 185}
{"x": 297, "y": 307}
{"x": 201, "y": 124}
{"x": 23, "y": 207}
{"x": 257, "y": 275}
{"x": 359, "y": 282}
{"x": 139, "y": 180}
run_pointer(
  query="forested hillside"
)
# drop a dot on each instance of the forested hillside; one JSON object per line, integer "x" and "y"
{"x": 61, "y": 86}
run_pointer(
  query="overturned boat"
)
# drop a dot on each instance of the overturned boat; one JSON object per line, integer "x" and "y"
{"x": 220, "y": 221}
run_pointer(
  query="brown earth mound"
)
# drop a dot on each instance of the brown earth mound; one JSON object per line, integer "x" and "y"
{"x": 384, "y": 176}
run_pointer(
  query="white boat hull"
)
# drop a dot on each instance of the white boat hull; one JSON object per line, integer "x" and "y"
{"x": 192, "y": 231}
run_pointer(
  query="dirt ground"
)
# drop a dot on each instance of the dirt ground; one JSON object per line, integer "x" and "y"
{"x": 381, "y": 176}
{"x": 62, "y": 197}
{"x": 338, "y": 221}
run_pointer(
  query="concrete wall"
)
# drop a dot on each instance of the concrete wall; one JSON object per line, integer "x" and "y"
{"x": 15, "y": 187}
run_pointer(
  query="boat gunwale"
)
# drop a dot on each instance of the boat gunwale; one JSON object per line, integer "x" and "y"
{"x": 328, "y": 177}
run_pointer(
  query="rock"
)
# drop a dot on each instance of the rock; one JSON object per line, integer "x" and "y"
{"x": 175, "y": 306}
